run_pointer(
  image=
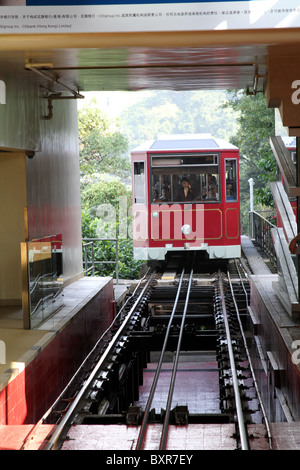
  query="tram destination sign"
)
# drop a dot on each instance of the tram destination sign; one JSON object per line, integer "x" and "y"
{"x": 92, "y": 16}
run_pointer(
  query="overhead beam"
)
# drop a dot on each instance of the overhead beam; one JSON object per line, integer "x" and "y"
{"x": 221, "y": 38}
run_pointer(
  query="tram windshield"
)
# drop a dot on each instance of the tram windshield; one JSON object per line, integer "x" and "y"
{"x": 185, "y": 178}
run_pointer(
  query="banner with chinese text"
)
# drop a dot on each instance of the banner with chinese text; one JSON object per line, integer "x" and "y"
{"x": 95, "y": 16}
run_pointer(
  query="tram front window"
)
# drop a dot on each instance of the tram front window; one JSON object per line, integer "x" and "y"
{"x": 185, "y": 179}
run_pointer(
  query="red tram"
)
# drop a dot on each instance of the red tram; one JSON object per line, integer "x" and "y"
{"x": 186, "y": 197}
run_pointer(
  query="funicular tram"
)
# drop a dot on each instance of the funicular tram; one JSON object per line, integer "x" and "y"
{"x": 186, "y": 197}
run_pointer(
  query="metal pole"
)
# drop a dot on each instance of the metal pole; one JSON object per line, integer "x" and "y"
{"x": 85, "y": 259}
{"x": 251, "y": 183}
{"x": 93, "y": 260}
{"x": 117, "y": 261}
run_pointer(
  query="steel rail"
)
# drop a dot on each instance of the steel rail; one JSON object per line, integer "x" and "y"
{"x": 175, "y": 367}
{"x": 235, "y": 382}
{"x": 267, "y": 424}
{"x": 53, "y": 441}
{"x": 158, "y": 370}
{"x": 50, "y": 410}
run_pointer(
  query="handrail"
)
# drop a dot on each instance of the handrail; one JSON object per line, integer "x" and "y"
{"x": 91, "y": 242}
{"x": 261, "y": 233}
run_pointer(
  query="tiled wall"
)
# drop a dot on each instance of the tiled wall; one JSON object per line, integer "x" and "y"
{"x": 33, "y": 391}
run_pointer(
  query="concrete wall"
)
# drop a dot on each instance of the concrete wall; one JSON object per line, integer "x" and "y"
{"x": 50, "y": 180}
{"x": 52, "y": 362}
{"x": 53, "y": 185}
{"x": 20, "y": 116}
{"x": 12, "y": 227}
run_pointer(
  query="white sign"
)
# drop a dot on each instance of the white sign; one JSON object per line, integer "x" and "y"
{"x": 130, "y": 16}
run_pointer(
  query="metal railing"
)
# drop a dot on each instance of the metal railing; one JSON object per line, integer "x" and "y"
{"x": 260, "y": 230}
{"x": 90, "y": 264}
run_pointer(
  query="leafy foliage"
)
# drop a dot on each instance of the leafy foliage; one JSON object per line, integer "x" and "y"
{"x": 103, "y": 146}
{"x": 184, "y": 112}
{"x": 106, "y": 214}
{"x": 103, "y": 159}
{"x": 103, "y": 192}
{"x": 256, "y": 124}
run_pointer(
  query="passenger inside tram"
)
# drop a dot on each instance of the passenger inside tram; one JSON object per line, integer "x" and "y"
{"x": 185, "y": 188}
{"x": 185, "y": 192}
{"x": 187, "y": 178}
{"x": 165, "y": 194}
{"x": 212, "y": 192}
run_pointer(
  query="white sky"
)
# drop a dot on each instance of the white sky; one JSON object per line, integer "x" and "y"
{"x": 112, "y": 102}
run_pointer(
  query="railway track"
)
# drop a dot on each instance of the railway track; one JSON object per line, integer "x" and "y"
{"x": 106, "y": 387}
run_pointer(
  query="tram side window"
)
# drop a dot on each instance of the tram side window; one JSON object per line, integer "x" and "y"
{"x": 139, "y": 182}
{"x": 231, "y": 180}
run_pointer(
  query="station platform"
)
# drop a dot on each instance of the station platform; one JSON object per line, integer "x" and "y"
{"x": 39, "y": 362}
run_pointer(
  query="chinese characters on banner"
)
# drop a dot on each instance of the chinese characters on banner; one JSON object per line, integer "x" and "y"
{"x": 77, "y": 16}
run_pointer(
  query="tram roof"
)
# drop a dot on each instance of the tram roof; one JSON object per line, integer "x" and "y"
{"x": 185, "y": 142}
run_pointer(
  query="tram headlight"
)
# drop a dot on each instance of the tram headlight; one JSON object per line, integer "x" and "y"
{"x": 186, "y": 229}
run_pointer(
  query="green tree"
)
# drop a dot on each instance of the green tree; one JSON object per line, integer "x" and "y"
{"x": 184, "y": 112}
{"x": 103, "y": 192}
{"x": 103, "y": 157}
{"x": 256, "y": 123}
{"x": 103, "y": 147}
{"x": 106, "y": 214}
